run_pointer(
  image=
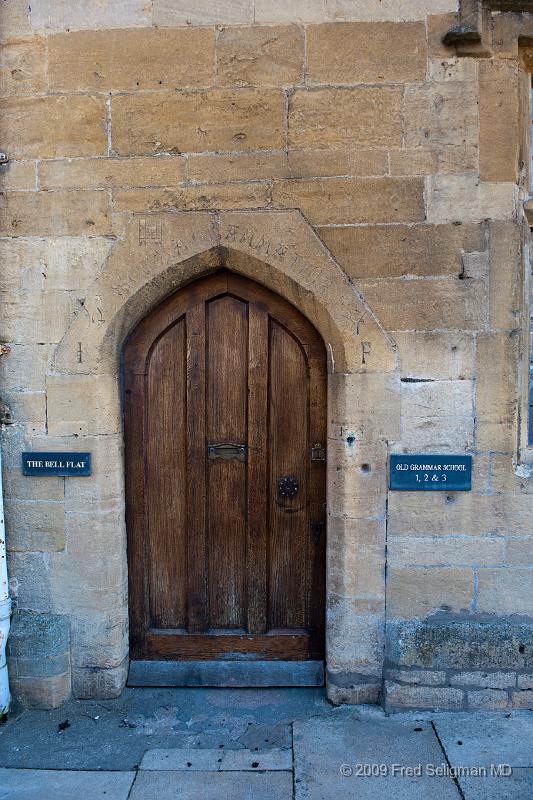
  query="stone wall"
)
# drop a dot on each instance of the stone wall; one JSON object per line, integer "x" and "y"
{"x": 375, "y": 179}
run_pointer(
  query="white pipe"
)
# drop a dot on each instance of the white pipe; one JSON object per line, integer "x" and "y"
{"x": 5, "y": 602}
{"x": 5, "y": 608}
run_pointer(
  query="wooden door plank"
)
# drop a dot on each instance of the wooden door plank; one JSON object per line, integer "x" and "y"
{"x": 221, "y": 645}
{"x": 226, "y": 414}
{"x": 316, "y": 560}
{"x": 288, "y": 517}
{"x": 196, "y": 576}
{"x": 134, "y": 414}
{"x": 256, "y": 551}
{"x": 166, "y": 479}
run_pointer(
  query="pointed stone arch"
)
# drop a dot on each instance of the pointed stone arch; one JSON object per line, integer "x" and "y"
{"x": 159, "y": 253}
{"x": 155, "y": 255}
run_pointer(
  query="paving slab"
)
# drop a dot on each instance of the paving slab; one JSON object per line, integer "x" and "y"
{"x": 517, "y": 786}
{"x": 33, "y": 784}
{"x": 250, "y": 760}
{"x": 114, "y": 734}
{"x": 177, "y": 759}
{"x": 472, "y": 740}
{"x": 347, "y": 757}
{"x": 492, "y": 745}
{"x": 212, "y": 786}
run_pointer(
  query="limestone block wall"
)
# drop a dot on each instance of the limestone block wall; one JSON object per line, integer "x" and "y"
{"x": 356, "y": 151}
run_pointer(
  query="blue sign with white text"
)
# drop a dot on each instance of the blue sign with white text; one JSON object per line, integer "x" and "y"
{"x": 431, "y": 473}
{"x": 62, "y": 464}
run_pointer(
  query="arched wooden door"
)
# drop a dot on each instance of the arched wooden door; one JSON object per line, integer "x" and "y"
{"x": 225, "y": 425}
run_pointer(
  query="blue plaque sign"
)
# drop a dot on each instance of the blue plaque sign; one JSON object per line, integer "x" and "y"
{"x": 63, "y": 464}
{"x": 431, "y": 473}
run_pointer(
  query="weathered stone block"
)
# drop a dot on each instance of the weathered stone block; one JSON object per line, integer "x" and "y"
{"x": 37, "y": 316}
{"x": 446, "y": 434}
{"x": 523, "y": 700}
{"x": 506, "y": 275}
{"x": 525, "y": 682}
{"x": 366, "y": 52}
{"x": 193, "y": 198}
{"x": 436, "y": 356}
{"x": 341, "y": 689}
{"x": 220, "y": 119}
{"x": 202, "y": 12}
{"x": 398, "y": 696}
{"x": 22, "y": 487}
{"x": 437, "y": 399}
{"x": 48, "y": 127}
{"x": 463, "y": 551}
{"x": 367, "y": 117}
{"x": 326, "y": 163}
{"x": 419, "y": 677}
{"x": 260, "y": 56}
{"x": 499, "y": 121}
{"x": 395, "y": 250}
{"x": 417, "y": 592}
{"x": 462, "y": 198}
{"x": 54, "y": 213}
{"x": 488, "y": 680}
{"x": 490, "y": 699}
{"x": 329, "y": 201}
{"x": 413, "y": 162}
{"x": 44, "y": 692}
{"x": 97, "y": 682}
{"x": 23, "y": 67}
{"x": 518, "y": 552}
{"x": 14, "y": 20}
{"x": 56, "y": 15}
{"x": 474, "y": 644}
{"x": 18, "y": 175}
{"x": 29, "y": 410}
{"x": 355, "y": 482}
{"x": 437, "y": 415}
{"x": 33, "y": 525}
{"x": 459, "y": 513}
{"x": 496, "y": 384}
{"x": 354, "y": 642}
{"x": 298, "y": 11}
{"x": 236, "y": 167}
{"x": 440, "y": 114}
{"x": 118, "y": 60}
{"x": 39, "y": 655}
{"x": 505, "y": 591}
{"x": 83, "y": 404}
{"x": 356, "y": 559}
{"x": 34, "y": 266}
{"x": 425, "y": 304}
{"x": 352, "y": 404}
{"x": 103, "y": 173}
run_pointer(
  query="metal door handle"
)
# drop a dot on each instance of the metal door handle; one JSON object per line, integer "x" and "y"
{"x": 227, "y": 450}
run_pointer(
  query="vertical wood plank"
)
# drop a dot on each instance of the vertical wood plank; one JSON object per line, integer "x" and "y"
{"x": 289, "y": 520}
{"x": 316, "y": 556}
{"x": 196, "y": 468}
{"x": 166, "y": 465}
{"x": 226, "y": 392}
{"x": 134, "y": 400}
{"x": 256, "y": 550}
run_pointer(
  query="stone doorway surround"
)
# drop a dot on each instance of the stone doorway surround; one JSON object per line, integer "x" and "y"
{"x": 155, "y": 255}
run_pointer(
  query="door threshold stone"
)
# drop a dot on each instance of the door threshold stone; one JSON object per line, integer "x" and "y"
{"x": 226, "y": 673}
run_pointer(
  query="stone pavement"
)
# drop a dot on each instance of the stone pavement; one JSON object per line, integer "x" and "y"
{"x": 269, "y": 744}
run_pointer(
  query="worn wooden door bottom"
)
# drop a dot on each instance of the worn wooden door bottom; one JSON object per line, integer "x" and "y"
{"x": 226, "y": 673}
